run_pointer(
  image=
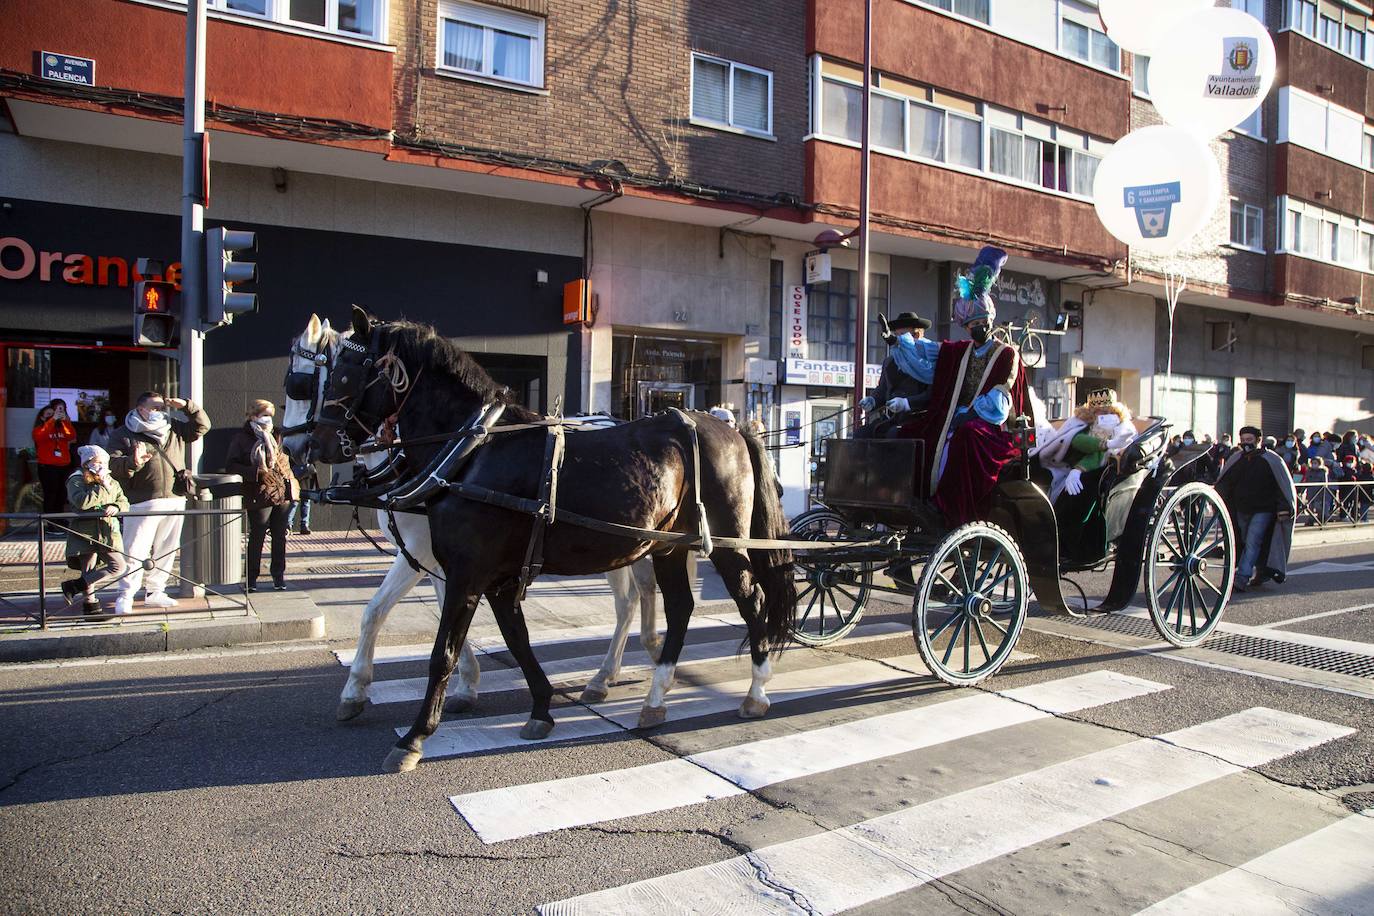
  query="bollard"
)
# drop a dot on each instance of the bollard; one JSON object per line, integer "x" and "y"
{"x": 218, "y": 555}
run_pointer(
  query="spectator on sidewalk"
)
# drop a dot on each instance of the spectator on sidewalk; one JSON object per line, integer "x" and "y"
{"x": 1366, "y": 445}
{"x": 149, "y": 462}
{"x": 1290, "y": 452}
{"x": 257, "y": 455}
{"x": 1224, "y": 449}
{"x": 1318, "y": 497}
{"x": 94, "y": 546}
{"x": 53, "y": 437}
{"x": 1364, "y": 473}
{"x": 1259, "y": 493}
{"x": 1347, "y": 448}
{"x": 306, "y": 479}
{"x": 103, "y": 435}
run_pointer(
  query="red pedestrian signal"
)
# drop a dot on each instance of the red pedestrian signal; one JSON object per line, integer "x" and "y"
{"x": 155, "y": 314}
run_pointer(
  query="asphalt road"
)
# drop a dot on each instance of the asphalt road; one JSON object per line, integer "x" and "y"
{"x": 220, "y": 782}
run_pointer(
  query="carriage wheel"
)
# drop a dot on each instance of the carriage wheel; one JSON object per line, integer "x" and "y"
{"x": 970, "y": 604}
{"x": 1190, "y": 565}
{"x": 831, "y": 594}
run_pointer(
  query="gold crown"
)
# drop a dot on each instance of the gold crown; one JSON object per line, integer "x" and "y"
{"x": 1101, "y": 397}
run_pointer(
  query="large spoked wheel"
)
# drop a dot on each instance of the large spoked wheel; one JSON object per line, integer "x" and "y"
{"x": 831, "y": 592}
{"x": 970, "y": 604}
{"x": 1190, "y": 565}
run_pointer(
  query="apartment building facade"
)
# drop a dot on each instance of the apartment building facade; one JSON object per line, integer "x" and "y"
{"x": 460, "y": 161}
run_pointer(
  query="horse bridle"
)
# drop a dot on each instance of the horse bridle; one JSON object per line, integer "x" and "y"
{"x": 306, "y": 386}
{"x": 346, "y": 385}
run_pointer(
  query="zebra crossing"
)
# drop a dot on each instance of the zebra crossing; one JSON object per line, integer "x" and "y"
{"x": 1003, "y": 808}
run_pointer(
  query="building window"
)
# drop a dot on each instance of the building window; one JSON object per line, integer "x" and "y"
{"x": 1321, "y": 126}
{"x": 1367, "y": 156}
{"x": 1082, "y": 42}
{"x": 1053, "y": 164}
{"x": 727, "y": 94}
{"x": 488, "y": 42}
{"x": 351, "y": 18}
{"x": 841, "y": 110}
{"x": 1326, "y": 236}
{"x": 1253, "y": 125}
{"x": 1253, "y": 7}
{"x": 776, "y": 296}
{"x": 1140, "y": 74}
{"x": 1339, "y": 28}
{"x": 830, "y": 317}
{"x": 977, "y": 10}
{"x": 1247, "y": 226}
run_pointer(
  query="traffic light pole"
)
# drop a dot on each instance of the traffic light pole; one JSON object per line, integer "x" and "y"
{"x": 194, "y": 163}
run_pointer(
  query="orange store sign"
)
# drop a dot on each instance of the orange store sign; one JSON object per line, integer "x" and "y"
{"x": 21, "y": 261}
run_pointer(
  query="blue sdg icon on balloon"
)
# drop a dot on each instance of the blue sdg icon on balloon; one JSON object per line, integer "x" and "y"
{"x": 1153, "y": 204}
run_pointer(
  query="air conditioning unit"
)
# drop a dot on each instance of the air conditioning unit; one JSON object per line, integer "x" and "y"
{"x": 1072, "y": 364}
{"x": 760, "y": 371}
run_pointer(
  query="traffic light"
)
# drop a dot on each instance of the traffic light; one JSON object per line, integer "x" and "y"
{"x": 155, "y": 314}
{"x": 224, "y": 268}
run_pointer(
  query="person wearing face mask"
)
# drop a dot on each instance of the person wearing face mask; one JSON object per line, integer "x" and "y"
{"x": 149, "y": 461}
{"x": 1289, "y": 452}
{"x": 94, "y": 545}
{"x": 904, "y": 386}
{"x": 978, "y": 388}
{"x": 104, "y": 432}
{"x": 1366, "y": 449}
{"x": 1260, "y": 496}
{"x": 256, "y": 454}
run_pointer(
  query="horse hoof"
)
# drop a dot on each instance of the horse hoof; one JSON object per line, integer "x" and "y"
{"x": 652, "y": 716}
{"x": 460, "y": 703}
{"x": 594, "y": 693}
{"x": 753, "y": 709}
{"x": 401, "y": 760}
{"x": 536, "y": 729}
{"x": 350, "y": 709}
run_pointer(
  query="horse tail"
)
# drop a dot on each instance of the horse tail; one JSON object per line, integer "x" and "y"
{"x": 772, "y": 568}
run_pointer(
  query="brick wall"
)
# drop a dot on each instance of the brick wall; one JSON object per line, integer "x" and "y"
{"x": 618, "y": 76}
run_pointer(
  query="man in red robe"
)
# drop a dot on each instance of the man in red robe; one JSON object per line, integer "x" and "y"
{"x": 979, "y": 387}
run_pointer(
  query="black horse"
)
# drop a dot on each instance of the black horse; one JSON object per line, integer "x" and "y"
{"x": 640, "y": 474}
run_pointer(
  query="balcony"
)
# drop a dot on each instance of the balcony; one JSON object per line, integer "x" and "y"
{"x": 920, "y": 44}
{"x": 140, "y": 48}
{"x": 942, "y": 198}
{"x": 1307, "y": 175}
{"x": 1328, "y": 74}
{"x": 1298, "y": 276}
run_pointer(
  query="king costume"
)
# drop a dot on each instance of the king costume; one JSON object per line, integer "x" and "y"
{"x": 976, "y": 386}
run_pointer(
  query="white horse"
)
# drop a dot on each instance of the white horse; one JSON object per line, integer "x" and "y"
{"x": 631, "y": 586}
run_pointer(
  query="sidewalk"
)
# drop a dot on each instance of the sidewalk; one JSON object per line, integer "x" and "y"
{"x": 331, "y": 576}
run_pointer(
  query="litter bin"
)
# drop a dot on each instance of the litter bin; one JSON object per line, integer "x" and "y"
{"x": 215, "y": 541}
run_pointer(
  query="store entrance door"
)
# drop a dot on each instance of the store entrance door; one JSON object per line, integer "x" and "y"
{"x": 656, "y": 397}
{"x": 825, "y": 422}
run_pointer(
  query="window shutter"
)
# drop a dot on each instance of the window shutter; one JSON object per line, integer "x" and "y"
{"x": 1267, "y": 406}
{"x": 751, "y": 100}
{"x": 710, "y": 88}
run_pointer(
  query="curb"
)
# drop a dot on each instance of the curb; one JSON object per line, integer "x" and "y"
{"x": 1315, "y": 537}
{"x": 289, "y": 617}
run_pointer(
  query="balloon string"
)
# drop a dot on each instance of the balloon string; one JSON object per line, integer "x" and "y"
{"x": 1175, "y": 282}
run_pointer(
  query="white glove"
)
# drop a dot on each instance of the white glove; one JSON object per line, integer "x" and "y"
{"x": 899, "y": 405}
{"x": 868, "y": 403}
{"x": 1074, "y": 482}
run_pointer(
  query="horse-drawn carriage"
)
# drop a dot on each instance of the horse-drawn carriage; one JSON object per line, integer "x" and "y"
{"x": 969, "y": 600}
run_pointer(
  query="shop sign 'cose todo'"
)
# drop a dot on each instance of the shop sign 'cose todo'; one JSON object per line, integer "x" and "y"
{"x": 796, "y": 322}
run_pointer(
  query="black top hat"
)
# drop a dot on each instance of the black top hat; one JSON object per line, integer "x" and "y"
{"x": 908, "y": 320}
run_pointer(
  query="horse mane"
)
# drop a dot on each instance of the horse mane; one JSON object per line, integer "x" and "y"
{"x": 420, "y": 345}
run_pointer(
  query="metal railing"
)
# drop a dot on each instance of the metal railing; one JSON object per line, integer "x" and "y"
{"x": 1325, "y": 505}
{"x": 32, "y": 528}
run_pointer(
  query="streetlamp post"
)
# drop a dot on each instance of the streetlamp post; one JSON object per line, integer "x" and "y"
{"x": 861, "y": 311}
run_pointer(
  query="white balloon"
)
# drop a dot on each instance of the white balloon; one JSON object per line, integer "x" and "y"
{"x": 1157, "y": 188}
{"x": 1214, "y": 70}
{"x": 1138, "y": 25}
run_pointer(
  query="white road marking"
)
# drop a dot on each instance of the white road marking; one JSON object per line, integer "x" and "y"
{"x": 1306, "y": 617}
{"x": 1329, "y": 872}
{"x": 842, "y": 869}
{"x": 1328, "y": 567}
{"x": 421, "y": 652}
{"x": 457, "y": 738}
{"x": 163, "y": 657}
{"x": 519, "y": 811}
{"x": 562, "y": 672}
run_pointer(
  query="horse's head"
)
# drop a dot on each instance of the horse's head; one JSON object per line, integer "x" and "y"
{"x": 362, "y": 389}
{"x": 307, "y": 373}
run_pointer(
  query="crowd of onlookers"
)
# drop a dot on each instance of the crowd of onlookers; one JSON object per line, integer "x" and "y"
{"x": 131, "y": 483}
{"x": 1313, "y": 458}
